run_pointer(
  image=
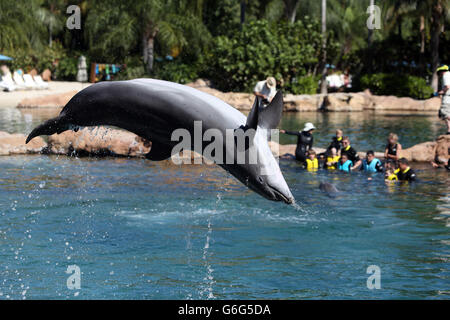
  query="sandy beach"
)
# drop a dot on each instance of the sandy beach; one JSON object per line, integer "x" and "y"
{"x": 12, "y": 99}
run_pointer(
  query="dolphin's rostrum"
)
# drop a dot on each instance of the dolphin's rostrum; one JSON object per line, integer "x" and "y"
{"x": 153, "y": 109}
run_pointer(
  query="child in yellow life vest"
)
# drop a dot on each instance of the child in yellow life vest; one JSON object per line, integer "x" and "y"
{"x": 390, "y": 175}
{"x": 312, "y": 163}
{"x": 332, "y": 160}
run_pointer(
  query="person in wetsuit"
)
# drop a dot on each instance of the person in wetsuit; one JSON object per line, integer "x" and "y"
{"x": 336, "y": 142}
{"x": 351, "y": 153}
{"x": 393, "y": 148}
{"x": 304, "y": 141}
{"x": 404, "y": 172}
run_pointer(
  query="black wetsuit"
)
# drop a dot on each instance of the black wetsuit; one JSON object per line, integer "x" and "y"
{"x": 351, "y": 154}
{"x": 392, "y": 150}
{"x": 304, "y": 143}
{"x": 409, "y": 175}
{"x": 335, "y": 143}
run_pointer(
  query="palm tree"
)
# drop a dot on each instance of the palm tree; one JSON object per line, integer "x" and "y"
{"x": 121, "y": 27}
{"x": 431, "y": 12}
{"x": 437, "y": 16}
{"x": 50, "y": 15}
{"x": 323, "y": 84}
{"x": 276, "y": 9}
{"x": 18, "y": 25}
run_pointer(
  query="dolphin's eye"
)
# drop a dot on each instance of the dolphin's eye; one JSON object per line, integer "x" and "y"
{"x": 260, "y": 179}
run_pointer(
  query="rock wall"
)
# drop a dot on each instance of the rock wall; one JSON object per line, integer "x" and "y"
{"x": 333, "y": 102}
{"x": 11, "y": 144}
{"x": 56, "y": 100}
{"x": 99, "y": 141}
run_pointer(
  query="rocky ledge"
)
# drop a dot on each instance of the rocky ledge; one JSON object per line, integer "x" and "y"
{"x": 101, "y": 141}
{"x": 56, "y": 100}
{"x": 11, "y": 144}
{"x": 333, "y": 102}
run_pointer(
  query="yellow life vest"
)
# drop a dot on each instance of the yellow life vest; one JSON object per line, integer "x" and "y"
{"x": 332, "y": 160}
{"x": 393, "y": 177}
{"x": 312, "y": 165}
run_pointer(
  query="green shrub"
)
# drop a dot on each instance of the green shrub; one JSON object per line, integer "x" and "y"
{"x": 134, "y": 68}
{"x": 397, "y": 85}
{"x": 303, "y": 85}
{"x": 287, "y": 51}
{"x": 67, "y": 69}
{"x": 176, "y": 72}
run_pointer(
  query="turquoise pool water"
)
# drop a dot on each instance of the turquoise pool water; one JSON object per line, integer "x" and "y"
{"x": 144, "y": 230}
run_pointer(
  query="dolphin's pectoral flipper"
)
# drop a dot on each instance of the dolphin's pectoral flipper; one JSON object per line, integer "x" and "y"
{"x": 252, "y": 118}
{"x": 159, "y": 152}
{"x": 270, "y": 116}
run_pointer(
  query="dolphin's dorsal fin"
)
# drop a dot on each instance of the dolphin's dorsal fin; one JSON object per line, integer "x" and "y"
{"x": 270, "y": 116}
{"x": 252, "y": 118}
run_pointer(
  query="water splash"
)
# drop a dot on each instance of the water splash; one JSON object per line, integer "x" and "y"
{"x": 209, "y": 278}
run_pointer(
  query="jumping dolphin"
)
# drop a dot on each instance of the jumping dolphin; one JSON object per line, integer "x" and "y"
{"x": 153, "y": 109}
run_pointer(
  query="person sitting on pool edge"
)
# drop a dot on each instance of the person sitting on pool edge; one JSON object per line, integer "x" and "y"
{"x": 371, "y": 164}
{"x": 311, "y": 163}
{"x": 393, "y": 148}
{"x": 304, "y": 141}
{"x": 351, "y": 153}
{"x": 445, "y": 165}
{"x": 404, "y": 171}
{"x": 345, "y": 164}
{"x": 336, "y": 142}
{"x": 332, "y": 160}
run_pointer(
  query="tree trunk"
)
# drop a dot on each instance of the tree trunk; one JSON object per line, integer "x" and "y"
{"x": 242, "y": 13}
{"x": 436, "y": 27}
{"x": 148, "y": 46}
{"x": 323, "y": 84}
{"x": 422, "y": 45}
{"x": 291, "y": 7}
{"x": 50, "y": 25}
{"x": 50, "y": 31}
{"x": 370, "y": 35}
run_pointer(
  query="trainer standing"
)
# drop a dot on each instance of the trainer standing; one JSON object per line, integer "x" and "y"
{"x": 266, "y": 90}
{"x": 444, "y": 111}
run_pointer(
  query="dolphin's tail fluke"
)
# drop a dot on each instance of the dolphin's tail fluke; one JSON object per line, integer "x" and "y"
{"x": 49, "y": 127}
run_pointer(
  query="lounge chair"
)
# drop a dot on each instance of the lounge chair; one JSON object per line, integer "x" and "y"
{"x": 20, "y": 84}
{"x": 29, "y": 82}
{"x": 8, "y": 83}
{"x": 41, "y": 84}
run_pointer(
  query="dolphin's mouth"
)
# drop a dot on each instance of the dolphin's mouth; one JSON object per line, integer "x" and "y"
{"x": 279, "y": 196}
